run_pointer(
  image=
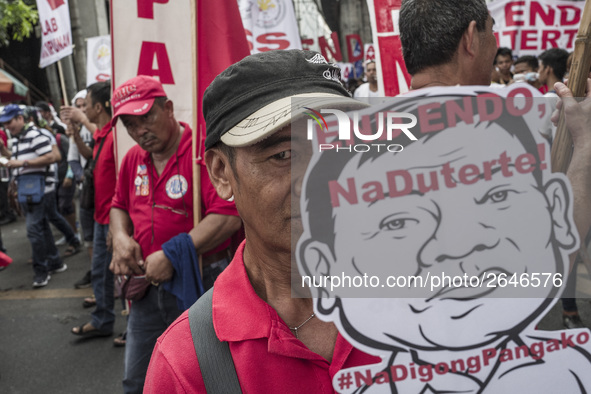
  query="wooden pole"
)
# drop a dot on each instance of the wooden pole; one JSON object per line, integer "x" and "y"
{"x": 197, "y": 133}
{"x": 562, "y": 148}
{"x": 577, "y": 81}
{"x": 62, "y": 82}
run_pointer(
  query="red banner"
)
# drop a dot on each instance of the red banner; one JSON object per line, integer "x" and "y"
{"x": 530, "y": 27}
{"x": 144, "y": 43}
{"x": 393, "y": 79}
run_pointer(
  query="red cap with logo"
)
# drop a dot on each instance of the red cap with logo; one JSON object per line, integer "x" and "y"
{"x": 136, "y": 96}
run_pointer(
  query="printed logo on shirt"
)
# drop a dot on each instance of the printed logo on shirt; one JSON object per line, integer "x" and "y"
{"x": 145, "y": 189}
{"x": 176, "y": 187}
{"x": 138, "y": 185}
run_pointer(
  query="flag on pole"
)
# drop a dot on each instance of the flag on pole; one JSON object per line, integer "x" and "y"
{"x": 56, "y": 38}
{"x": 221, "y": 43}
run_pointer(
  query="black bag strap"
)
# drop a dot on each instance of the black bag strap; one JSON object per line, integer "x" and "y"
{"x": 215, "y": 360}
{"x": 98, "y": 152}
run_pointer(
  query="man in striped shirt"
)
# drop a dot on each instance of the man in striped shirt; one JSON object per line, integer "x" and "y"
{"x": 32, "y": 154}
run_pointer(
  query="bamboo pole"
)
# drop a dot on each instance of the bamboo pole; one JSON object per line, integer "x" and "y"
{"x": 196, "y": 140}
{"x": 62, "y": 82}
{"x": 579, "y": 72}
{"x": 562, "y": 148}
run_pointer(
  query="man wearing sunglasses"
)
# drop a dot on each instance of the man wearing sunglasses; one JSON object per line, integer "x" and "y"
{"x": 153, "y": 205}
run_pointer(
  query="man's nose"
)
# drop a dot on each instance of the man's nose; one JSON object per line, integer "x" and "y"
{"x": 457, "y": 238}
{"x": 140, "y": 130}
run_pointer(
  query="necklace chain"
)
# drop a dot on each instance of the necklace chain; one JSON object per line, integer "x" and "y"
{"x": 295, "y": 329}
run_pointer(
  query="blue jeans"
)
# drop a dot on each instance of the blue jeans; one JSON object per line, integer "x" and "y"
{"x": 58, "y": 220}
{"x": 45, "y": 254}
{"x": 148, "y": 319}
{"x": 87, "y": 224}
{"x": 103, "y": 316}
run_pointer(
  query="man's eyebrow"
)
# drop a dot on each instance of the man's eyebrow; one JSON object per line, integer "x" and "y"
{"x": 272, "y": 141}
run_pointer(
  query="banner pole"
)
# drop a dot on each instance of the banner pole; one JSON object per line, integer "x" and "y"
{"x": 577, "y": 81}
{"x": 197, "y": 132}
{"x": 62, "y": 82}
{"x": 562, "y": 149}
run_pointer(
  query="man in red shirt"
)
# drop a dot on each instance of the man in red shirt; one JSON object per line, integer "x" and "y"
{"x": 152, "y": 216}
{"x": 98, "y": 111}
{"x": 277, "y": 344}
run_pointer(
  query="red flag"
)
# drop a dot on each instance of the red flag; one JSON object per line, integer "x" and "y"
{"x": 221, "y": 43}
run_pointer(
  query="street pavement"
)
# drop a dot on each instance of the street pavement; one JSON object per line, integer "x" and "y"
{"x": 38, "y": 354}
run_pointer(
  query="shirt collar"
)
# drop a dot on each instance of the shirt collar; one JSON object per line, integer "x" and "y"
{"x": 184, "y": 145}
{"x": 239, "y": 314}
{"x": 102, "y": 133}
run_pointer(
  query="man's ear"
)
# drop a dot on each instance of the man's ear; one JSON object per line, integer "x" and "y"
{"x": 558, "y": 204}
{"x": 469, "y": 42}
{"x": 169, "y": 107}
{"x": 220, "y": 172}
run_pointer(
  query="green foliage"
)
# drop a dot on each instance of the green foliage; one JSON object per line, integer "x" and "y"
{"x": 17, "y": 20}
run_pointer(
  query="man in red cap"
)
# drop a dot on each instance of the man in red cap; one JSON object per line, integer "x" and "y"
{"x": 151, "y": 214}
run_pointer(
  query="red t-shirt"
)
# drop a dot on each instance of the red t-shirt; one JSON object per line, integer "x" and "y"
{"x": 105, "y": 174}
{"x": 161, "y": 206}
{"x": 267, "y": 356}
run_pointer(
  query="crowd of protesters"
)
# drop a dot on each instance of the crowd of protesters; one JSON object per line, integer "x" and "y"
{"x": 138, "y": 227}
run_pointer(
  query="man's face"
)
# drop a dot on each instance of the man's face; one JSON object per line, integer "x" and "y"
{"x": 371, "y": 73}
{"x": 15, "y": 125}
{"x": 523, "y": 68}
{"x": 90, "y": 110}
{"x": 80, "y": 104}
{"x": 474, "y": 229}
{"x": 544, "y": 72}
{"x": 46, "y": 115}
{"x": 265, "y": 178}
{"x": 504, "y": 63}
{"x": 153, "y": 131}
{"x": 487, "y": 52}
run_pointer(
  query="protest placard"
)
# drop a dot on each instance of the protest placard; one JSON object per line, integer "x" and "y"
{"x": 56, "y": 38}
{"x": 530, "y": 27}
{"x": 269, "y": 25}
{"x": 98, "y": 59}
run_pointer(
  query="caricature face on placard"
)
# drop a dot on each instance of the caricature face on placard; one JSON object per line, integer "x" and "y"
{"x": 439, "y": 246}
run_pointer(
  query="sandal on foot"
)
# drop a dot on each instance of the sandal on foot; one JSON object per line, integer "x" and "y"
{"x": 90, "y": 331}
{"x": 120, "y": 340}
{"x": 89, "y": 302}
{"x": 72, "y": 250}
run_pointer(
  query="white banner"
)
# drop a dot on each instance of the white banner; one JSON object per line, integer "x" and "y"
{"x": 98, "y": 59}
{"x": 153, "y": 38}
{"x": 269, "y": 25}
{"x": 56, "y": 39}
{"x": 530, "y": 27}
